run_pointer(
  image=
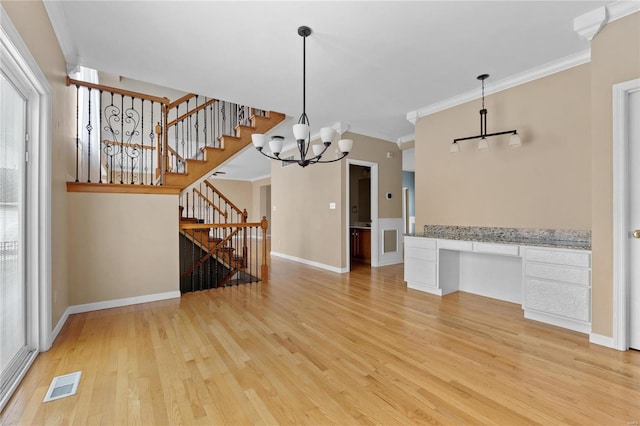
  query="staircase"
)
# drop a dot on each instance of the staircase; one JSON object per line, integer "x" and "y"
{"x": 218, "y": 246}
{"x": 129, "y": 142}
{"x": 131, "y": 138}
{"x": 211, "y": 157}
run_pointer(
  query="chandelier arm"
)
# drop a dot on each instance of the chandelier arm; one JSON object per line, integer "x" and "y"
{"x": 284, "y": 160}
{"x": 344, "y": 154}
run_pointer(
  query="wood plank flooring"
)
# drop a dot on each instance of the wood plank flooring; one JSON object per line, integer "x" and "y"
{"x": 315, "y": 347}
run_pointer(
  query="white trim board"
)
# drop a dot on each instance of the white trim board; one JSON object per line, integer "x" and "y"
{"x": 504, "y": 84}
{"x": 108, "y": 304}
{"x": 310, "y": 262}
{"x": 620, "y": 93}
{"x": 601, "y": 340}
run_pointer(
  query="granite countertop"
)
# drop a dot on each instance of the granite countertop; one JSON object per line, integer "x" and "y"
{"x": 555, "y": 238}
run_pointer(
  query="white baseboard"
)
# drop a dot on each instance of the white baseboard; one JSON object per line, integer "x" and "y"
{"x": 601, "y": 340}
{"x": 310, "y": 263}
{"x": 575, "y": 325}
{"x": 116, "y": 303}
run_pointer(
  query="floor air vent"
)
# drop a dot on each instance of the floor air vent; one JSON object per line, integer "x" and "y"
{"x": 63, "y": 386}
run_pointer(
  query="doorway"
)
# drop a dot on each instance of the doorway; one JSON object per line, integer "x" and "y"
{"x": 626, "y": 218}
{"x": 361, "y": 213}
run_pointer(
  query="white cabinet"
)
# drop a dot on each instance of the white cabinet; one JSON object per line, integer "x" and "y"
{"x": 553, "y": 284}
{"x": 557, "y": 287}
{"x": 421, "y": 264}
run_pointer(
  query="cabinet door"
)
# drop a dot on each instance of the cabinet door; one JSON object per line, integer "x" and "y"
{"x": 420, "y": 271}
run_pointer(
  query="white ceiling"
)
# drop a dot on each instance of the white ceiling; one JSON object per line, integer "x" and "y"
{"x": 368, "y": 63}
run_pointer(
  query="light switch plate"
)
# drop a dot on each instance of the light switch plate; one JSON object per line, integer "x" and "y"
{"x": 332, "y": 206}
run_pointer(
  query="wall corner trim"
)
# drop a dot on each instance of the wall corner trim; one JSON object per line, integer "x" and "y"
{"x": 310, "y": 263}
{"x": 601, "y": 340}
{"x": 588, "y": 25}
{"x": 532, "y": 74}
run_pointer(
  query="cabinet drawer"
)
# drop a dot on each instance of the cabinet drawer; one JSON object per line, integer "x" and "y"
{"x": 558, "y": 257}
{"x": 426, "y": 243}
{"x": 420, "y": 254}
{"x": 558, "y": 273}
{"x": 455, "y": 245}
{"x": 420, "y": 272}
{"x": 561, "y": 299}
{"x": 505, "y": 249}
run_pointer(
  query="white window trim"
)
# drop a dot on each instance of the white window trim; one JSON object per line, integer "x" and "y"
{"x": 17, "y": 59}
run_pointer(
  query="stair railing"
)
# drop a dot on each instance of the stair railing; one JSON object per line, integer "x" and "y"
{"x": 239, "y": 258}
{"x": 126, "y": 137}
{"x": 195, "y": 122}
{"x": 117, "y": 134}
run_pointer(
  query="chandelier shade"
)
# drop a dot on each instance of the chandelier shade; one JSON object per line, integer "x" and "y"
{"x": 302, "y": 130}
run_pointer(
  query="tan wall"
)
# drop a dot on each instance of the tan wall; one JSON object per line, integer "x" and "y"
{"x": 543, "y": 184}
{"x": 615, "y": 58}
{"x": 256, "y": 209}
{"x": 122, "y": 245}
{"x": 32, "y": 22}
{"x": 303, "y": 224}
{"x": 237, "y": 191}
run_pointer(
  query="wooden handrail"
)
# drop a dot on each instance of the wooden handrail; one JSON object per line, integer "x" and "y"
{"x": 178, "y": 101}
{"x": 211, "y": 203}
{"x": 221, "y": 195}
{"x": 173, "y": 151}
{"x": 221, "y": 225}
{"x": 164, "y": 101}
{"x": 190, "y": 113}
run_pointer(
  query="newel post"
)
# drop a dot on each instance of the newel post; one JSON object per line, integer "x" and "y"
{"x": 264, "y": 224}
{"x": 245, "y": 250}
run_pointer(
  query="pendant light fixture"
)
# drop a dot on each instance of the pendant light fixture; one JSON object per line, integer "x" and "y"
{"x": 514, "y": 141}
{"x": 301, "y": 131}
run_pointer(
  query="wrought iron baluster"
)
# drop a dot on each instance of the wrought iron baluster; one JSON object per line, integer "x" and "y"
{"x": 101, "y": 138}
{"x": 142, "y": 169}
{"x": 204, "y": 115}
{"x": 196, "y": 126}
{"x": 77, "y": 126}
{"x": 152, "y": 143}
{"x": 89, "y": 128}
{"x": 122, "y": 138}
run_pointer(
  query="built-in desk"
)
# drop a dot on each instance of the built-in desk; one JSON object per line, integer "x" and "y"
{"x": 550, "y": 278}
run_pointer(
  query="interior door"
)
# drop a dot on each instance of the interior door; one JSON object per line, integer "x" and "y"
{"x": 13, "y": 290}
{"x": 634, "y": 218}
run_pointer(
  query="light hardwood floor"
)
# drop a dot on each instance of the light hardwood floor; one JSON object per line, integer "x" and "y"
{"x": 314, "y": 347}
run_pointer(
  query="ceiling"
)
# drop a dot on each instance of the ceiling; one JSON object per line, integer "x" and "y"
{"x": 368, "y": 63}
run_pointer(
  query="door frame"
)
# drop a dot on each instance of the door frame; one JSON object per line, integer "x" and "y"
{"x": 621, "y": 221}
{"x": 19, "y": 64}
{"x": 374, "y": 211}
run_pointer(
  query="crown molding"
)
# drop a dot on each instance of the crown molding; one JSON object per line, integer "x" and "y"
{"x": 620, "y": 9}
{"x": 405, "y": 139}
{"x": 504, "y": 84}
{"x": 591, "y": 23}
